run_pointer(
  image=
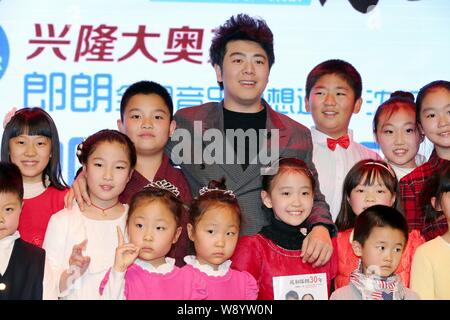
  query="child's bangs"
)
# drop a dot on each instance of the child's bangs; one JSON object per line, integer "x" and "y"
{"x": 289, "y": 169}
{"x": 377, "y": 175}
{"x": 33, "y": 126}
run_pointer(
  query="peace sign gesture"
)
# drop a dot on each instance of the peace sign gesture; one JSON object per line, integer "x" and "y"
{"x": 126, "y": 253}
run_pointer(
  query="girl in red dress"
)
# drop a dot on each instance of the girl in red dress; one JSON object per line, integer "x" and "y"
{"x": 276, "y": 250}
{"x": 31, "y": 142}
{"x": 368, "y": 183}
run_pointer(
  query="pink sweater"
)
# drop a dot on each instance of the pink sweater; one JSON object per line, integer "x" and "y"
{"x": 234, "y": 285}
{"x": 186, "y": 283}
{"x": 141, "y": 284}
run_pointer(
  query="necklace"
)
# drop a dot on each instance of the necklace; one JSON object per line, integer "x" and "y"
{"x": 104, "y": 209}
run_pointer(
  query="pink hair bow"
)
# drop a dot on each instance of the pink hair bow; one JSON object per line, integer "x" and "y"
{"x": 8, "y": 116}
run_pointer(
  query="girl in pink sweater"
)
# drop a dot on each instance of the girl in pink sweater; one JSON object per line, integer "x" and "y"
{"x": 141, "y": 269}
{"x": 214, "y": 228}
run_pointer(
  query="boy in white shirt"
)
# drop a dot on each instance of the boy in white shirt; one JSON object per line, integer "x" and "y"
{"x": 333, "y": 95}
{"x": 23, "y": 268}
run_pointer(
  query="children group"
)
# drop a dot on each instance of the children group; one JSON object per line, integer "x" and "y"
{"x": 134, "y": 225}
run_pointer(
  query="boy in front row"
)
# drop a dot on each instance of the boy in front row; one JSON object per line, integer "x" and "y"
{"x": 22, "y": 264}
{"x": 380, "y": 236}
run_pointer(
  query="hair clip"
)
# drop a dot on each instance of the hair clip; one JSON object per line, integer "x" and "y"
{"x": 164, "y": 185}
{"x": 80, "y": 149}
{"x": 8, "y": 116}
{"x": 204, "y": 190}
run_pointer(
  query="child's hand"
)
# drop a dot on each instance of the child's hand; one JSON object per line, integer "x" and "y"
{"x": 317, "y": 246}
{"x": 78, "y": 266}
{"x": 126, "y": 253}
{"x": 79, "y": 192}
{"x": 77, "y": 259}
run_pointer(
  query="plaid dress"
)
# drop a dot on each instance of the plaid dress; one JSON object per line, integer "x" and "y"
{"x": 413, "y": 202}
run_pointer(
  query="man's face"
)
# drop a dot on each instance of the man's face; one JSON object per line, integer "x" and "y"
{"x": 244, "y": 73}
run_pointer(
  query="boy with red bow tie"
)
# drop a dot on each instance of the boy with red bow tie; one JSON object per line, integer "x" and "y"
{"x": 333, "y": 94}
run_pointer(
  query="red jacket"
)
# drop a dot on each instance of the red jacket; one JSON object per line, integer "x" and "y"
{"x": 263, "y": 259}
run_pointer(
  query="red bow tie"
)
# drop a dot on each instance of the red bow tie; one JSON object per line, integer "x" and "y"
{"x": 343, "y": 141}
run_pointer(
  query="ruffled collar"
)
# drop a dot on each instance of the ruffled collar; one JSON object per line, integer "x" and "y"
{"x": 9, "y": 240}
{"x": 166, "y": 267}
{"x": 284, "y": 235}
{"x": 206, "y": 268}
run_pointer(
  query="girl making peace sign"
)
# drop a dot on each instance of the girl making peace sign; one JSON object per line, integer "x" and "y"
{"x": 141, "y": 269}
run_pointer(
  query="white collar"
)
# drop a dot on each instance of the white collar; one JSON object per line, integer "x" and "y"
{"x": 166, "y": 267}
{"x": 320, "y": 137}
{"x": 206, "y": 268}
{"x": 32, "y": 190}
{"x": 400, "y": 171}
{"x": 6, "y": 249}
{"x": 9, "y": 240}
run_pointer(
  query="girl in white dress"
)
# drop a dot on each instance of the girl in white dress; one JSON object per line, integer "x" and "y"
{"x": 81, "y": 245}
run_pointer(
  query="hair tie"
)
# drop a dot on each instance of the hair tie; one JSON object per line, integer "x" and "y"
{"x": 164, "y": 185}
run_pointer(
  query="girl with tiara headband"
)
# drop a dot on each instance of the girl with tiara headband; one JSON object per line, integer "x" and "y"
{"x": 214, "y": 223}
{"x": 142, "y": 270}
{"x": 368, "y": 183}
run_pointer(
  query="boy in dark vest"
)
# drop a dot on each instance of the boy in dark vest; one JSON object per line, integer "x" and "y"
{"x": 21, "y": 264}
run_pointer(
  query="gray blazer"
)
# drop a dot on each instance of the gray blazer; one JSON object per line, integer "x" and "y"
{"x": 294, "y": 141}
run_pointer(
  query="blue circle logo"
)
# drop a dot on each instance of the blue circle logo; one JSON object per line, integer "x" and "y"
{"x": 4, "y": 52}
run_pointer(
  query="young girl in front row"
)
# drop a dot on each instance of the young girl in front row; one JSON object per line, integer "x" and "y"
{"x": 214, "y": 223}
{"x": 380, "y": 236}
{"x": 31, "y": 142}
{"x": 276, "y": 249}
{"x": 430, "y": 276}
{"x": 368, "y": 183}
{"x": 141, "y": 269}
{"x": 80, "y": 245}
{"x": 396, "y": 131}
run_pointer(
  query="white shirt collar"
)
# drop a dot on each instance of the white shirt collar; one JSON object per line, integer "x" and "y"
{"x": 9, "y": 240}
{"x": 320, "y": 137}
{"x": 206, "y": 268}
{"x": 166, "y": 267}
{"x": 6, "y": 248}
{"x": 401, "y": 172}
{"x": 32, "y": 190}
